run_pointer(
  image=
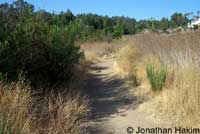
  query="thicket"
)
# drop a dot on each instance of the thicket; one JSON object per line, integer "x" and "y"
{"x": 30, "y": 45}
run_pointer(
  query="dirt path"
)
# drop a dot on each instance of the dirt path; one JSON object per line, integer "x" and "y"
{"x": 113, "y": 108}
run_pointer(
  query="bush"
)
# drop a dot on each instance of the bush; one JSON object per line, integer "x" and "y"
{"x": 196, "y": 27}
{"x": 156, "y": 78}
{"x": 44, "y": 53}
{"x": 117, "y": 35}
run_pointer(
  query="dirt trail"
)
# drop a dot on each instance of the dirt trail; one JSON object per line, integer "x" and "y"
{"x": 113, "y": 108}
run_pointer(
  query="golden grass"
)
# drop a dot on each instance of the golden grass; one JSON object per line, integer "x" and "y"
{"x": 96, "y": 51}
{"x": 91, "y": 56}
{"x": 185, "y": 96}
{"x": 141, "y": 68}
{"x": 66, "y": 113}
{"x": 179, "y": 101}
{"x": 99, "y": 48}
{"x": 127, "y": 59}
{"x": 22, "y": 111}
{"x": 14, "y": 101}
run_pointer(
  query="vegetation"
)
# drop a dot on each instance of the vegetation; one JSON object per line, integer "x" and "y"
{"x": 156, "y": 77}
{"x": 86, "y": 26}
{"x": 5, "y": 129}
{"x": 178, "y": 102}
{"x": 40, "y": 44}
{"x": 43, "y": 52}
{"x": 134, "y": 81}
{"x": 196, "y": 27}
{"x": 23, "y": 111}
{"x": 41, "y": 47}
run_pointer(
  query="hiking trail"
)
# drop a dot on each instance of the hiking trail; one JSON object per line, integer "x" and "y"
{"x": 114, "y": 109}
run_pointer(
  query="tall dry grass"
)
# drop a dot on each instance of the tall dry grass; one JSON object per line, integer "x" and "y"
{"x": 23, "y": 111}
{"x": 95, "y": 51}
{"x": 14, "y": 112}
{"x": 126, "y": 59}
{"x": 180, "y": 103}
{"x": 180, "y": 98}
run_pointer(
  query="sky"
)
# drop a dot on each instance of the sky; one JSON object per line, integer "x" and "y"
{"x": 139, "y": 9}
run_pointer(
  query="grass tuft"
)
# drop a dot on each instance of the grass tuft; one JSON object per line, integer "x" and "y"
{"x": 156, "y": 77}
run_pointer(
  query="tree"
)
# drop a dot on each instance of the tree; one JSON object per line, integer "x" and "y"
{"x": 107, "y": 22}
{"x": 129, "y": 26}
{"x": 179, "y": 19}
{"x": 164, "y": 24}
{"x": 118, "y": 30}
{"x": 64, "y": 18}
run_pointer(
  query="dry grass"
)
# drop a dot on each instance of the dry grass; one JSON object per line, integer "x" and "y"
{"x": 127, "y": 59}
{"x": 23, "y": 111}
{"x": 180, "y": 103}
{"x": 14, "y": 112}
{"x": 95, "y": 51}
{"x": 187, "y": 93}
{"x": 180, "y": 99}
{"x": 141, "y": 68}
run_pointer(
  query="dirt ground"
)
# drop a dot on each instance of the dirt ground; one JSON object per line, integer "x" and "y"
{"x": 114, "y": 109}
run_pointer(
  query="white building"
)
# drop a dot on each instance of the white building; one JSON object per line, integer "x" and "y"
{"x": 195, "y": 21}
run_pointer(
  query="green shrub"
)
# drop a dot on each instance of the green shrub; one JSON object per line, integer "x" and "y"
{"x": 118, "y": 32}
{"x": 46, "y": 54}
{"x": 117, "y": 35}
{"x": 156, "y": 77}
{"x": 196, "y": 27}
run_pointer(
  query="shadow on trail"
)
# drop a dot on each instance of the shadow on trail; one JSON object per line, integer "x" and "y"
{"x": 108, "y": 94}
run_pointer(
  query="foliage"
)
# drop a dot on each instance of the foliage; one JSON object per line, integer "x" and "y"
{"x": 179, "y": 19}
{"x": 117, "y": 34}
{"x": 46, "y": 53}
{"x": 196, "y": 27}
{"x": 89, "y": 26}
{"x": 156, "y": 78}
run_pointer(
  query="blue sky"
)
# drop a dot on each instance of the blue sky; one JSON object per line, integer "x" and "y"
{"x": 139, "y": 9}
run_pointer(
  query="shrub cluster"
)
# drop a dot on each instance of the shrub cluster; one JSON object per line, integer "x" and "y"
{"x": 28, "y": 44}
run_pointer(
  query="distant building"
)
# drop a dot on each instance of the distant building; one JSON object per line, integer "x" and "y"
{"x": 195, "y": 21}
